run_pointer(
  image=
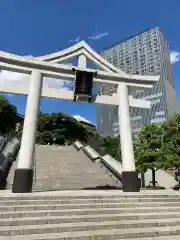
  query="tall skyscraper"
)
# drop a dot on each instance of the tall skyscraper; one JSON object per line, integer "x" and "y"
{"x": 146, "y": 54}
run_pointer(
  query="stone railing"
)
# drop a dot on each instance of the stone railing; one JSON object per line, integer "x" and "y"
{"x": 112, "y": 165}
{"x": 3, "y": 142}
{"x": 7, "y": 157}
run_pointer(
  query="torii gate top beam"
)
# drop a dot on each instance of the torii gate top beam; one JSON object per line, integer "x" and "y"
{"x": 111, "y": 75}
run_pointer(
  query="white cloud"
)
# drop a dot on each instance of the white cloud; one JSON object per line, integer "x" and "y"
{"x": 98, "y": 36}
{"x": 10, "y": 95}
{"x": 82, "y": 119}
{"x": 77, "y": 39}
{"x": 58, "y": 83}
{"x": 175, "y": 57}
{"x": 7, "y": 77}
{"x": 54, "y": 83}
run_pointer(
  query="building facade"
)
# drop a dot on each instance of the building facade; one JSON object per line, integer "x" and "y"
{"x": 145, "y": 53}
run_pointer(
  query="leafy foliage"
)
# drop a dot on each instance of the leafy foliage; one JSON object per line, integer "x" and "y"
{"x": 148, "y": 148}
{"x": 59, "y": 128}
{"x": 171, "y": 142}
{"x": 158, "y": 147}
{"x": 112, "y": 147}
{"x": 8, "y": 116}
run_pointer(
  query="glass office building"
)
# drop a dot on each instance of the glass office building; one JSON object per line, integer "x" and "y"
{"x": 146, "y": 53}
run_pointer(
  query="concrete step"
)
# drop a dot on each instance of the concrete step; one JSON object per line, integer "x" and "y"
{"x": 87, "y": 201}
{"x": 172, "y": 237}
{"x": 88, "y": 237}
{"x": 16, "y": 213}
{"x": 111, "y": 230}
{"x": 74, "y": 181}
{"x": 15, "y": 220}
{"x": 19, "y": 207}
{"x": 82, "y": 215}
{"x": 91, "y": 194}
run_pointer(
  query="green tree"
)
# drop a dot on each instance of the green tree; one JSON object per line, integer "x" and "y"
{"x": 148, "y": 148}
{"x": 8, "y": 116}
{"x": 171, "y": 142}
{"x": 59, "y": 128}
{"x": 112, "y": 147}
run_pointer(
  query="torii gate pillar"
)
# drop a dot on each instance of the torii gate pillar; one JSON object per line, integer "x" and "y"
{"x": 130, "y": 179}
{"x": 23, "y": 178}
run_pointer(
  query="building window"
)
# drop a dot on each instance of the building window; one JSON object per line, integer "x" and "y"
{"x": 127, "y": 60}
{"x": 161, "y": 113}
{"x": 151, "y": 69}
{"x": 153, "y": 96}
{"x": 158, "y": 120}
{"x": 155, "y": 101}
{"x": 136, "y": 130}
{"x": 158, "y": 65}
{"x": 136, "y": 118}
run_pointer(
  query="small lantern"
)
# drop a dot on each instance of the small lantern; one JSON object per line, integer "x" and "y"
{"x": 83, "y": 85}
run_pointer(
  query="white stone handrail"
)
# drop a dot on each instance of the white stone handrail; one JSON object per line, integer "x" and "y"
{"x": 112, "y": 163}
{"x": 78, "y": 145}
{"x": 91, "y": 153}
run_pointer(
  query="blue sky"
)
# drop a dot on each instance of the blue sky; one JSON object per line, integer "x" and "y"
{"x": 38, "y": 27}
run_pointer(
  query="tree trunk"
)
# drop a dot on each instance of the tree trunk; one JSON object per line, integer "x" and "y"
{"x": 143, "y": 185}
{"x": 153, "y": 177}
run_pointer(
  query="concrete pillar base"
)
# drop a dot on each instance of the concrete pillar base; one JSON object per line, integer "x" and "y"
{"x": 130, "y": 181}
{"x": 23, "y": 181}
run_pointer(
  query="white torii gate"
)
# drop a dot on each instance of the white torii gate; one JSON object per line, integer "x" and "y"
{"x": 51, "y": 66}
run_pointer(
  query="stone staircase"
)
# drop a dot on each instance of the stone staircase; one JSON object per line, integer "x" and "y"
{"x": 85, "y": 215}
{"x": 65, "y": 168}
